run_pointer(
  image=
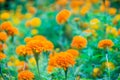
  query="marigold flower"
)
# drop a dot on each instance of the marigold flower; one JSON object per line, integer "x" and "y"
{"x": 25, "y": 75}
{"x": 105, "y": 43}
{"x": 28, "y": 23}
{"x": 61, "y": 2}
{"x": 3, "y": 36}
{"x": 63, "y": 16}
{"x": 32, "y": 61}
{"x": 5, "y": 26}
{"x": 112, "y": 11}
{"x": 2, "y": 56}
{"x": 73, "y": 52}
{"x": 79, "y": 42}
{"x": 64, "y": 60}
{"x": 35, "y": 22}
{"x": 39, "y": 37}
{"x": 96, "y": 72}
{"x": 23, "y": 50}
{"x": 118, "y": 31}
{"x": 5, "y": 16}
{"x": 34, "y": 31}
{"x": 109, "y": 65}
{"x": 94, "y": 21}
{"x": 48, "y": 46}
{"x": 27, "y": 39}
{"x": 12, "y": 31}
{"x": 32, "y": 10}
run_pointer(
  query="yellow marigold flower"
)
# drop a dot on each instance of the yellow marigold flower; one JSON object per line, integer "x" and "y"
{"x": 25, "y": 75}
{"x": 5, "y": 16}
{"x": 3, "y": 36}
{"x": 73, "y": 52}
{"x": 96, "y": 72}
{"x": 63, "y": 16}
{"x": 23, "y": 50}
{"x": 105, "y": 43}
{"x": 79, "y": 42}
{"x": 32, "y": 61}
{"x": 112, "y": 11}
{"x": 112, "y": 30}
{"x": 94, "y": 21}
{"x": 109, "y": 65}
{"x": 28, "y": 15}
{"x": 34, "y": 31}
{"x": 35, "y": 22}
{"x": 2, "y": 56}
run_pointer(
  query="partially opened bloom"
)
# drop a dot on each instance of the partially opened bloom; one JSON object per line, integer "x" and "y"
{"x": 63, "y": 16}
{"x": 2, "y": 56}
{"x": 79, "y": 42}
{"x": 25, "y": 75}
{"x": 105, "y": 43}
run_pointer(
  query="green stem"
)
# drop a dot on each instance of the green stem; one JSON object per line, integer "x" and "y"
{"x": 108, "y": 71}
{"x": 37, "y": 64}
{"x": 66, "y": 73}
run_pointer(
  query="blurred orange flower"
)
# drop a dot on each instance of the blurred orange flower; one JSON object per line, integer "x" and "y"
{"x": 2, "y": 56}
{"x": 25, "y": 75}
{"x": 63, "y": 16}
{"x": 79, "y": 42}
{"x": 73, "y": 52}
{"x": 105, "y": 43}
{"x": 3, "y": 36}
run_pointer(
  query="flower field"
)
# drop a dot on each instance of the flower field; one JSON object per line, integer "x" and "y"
{"x": 59, "y": 40}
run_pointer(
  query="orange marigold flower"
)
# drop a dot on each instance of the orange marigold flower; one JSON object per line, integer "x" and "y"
{"x": 3, "y": 36}
{"x": 79, "y": 42}
{"x": 50, "y": 69}
{"x": 61, "y": 2}
{"x": 39, "y": 37}
{"x": 23, "y": 50}
{"x": 112, "y": 11}
{"x": 63, "y": 16}
{"x": 105, "y": 43}
{"x": 25, "y": 75}
{"x": 5, "y": 26}
{"x": 2, "y": 56}
{"x": 27, "y": 39}
{"x": 48, "y": 46}
{"x": 37, "y": 46}
{"x": 12, "y": 31}
{"x": 73, "y": 52}
{"x": 64, "y": 60}
{"x": 32, "y": 9}
{"x": 118, "y": 31}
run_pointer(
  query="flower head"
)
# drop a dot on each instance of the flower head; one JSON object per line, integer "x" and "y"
{"x": 105, "y": 43}
{"x": 23, "y": 50}
{"x": 3, "y": 36}
{"x": 79, "y": 42}
{"x": 2, "y": 56}
{"x": 63, "y": 16}
{"x": 25, "y": 75}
